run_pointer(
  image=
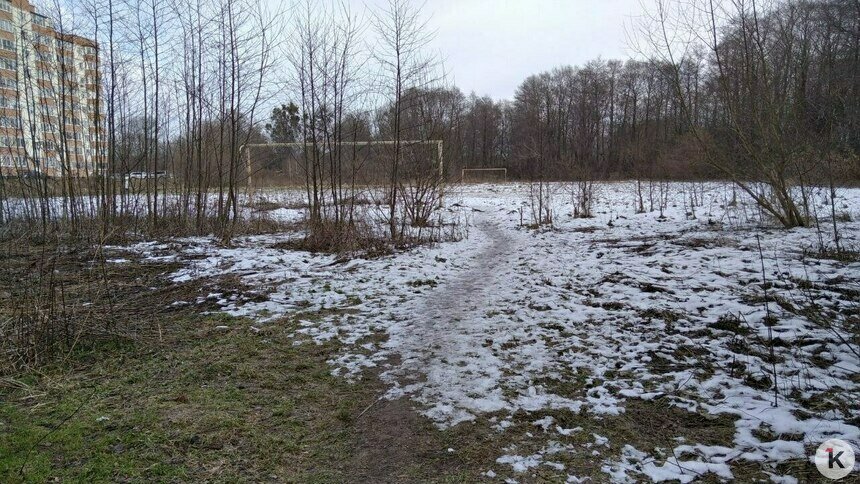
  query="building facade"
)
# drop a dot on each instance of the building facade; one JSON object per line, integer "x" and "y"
{"x": 49, "y": 97}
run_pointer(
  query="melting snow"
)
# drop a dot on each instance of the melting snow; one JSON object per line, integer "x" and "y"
{"x": 641, "y": 306}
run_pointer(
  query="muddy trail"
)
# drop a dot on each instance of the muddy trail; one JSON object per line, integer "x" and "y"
{"x": 446, "y": 360}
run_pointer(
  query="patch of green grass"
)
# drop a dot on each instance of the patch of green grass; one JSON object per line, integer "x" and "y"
{"x": 222, "y": 405}
{"x": 68, "y": 441}
{"x": 573, "y": 385}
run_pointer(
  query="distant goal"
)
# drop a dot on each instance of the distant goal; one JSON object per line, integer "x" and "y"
{"x": 484, "y": 175}
{"x": 365, "y": 163}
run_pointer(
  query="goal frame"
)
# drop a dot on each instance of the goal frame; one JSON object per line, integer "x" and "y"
{"x": 438, "y": 142}
{"x": 465, "y": 170}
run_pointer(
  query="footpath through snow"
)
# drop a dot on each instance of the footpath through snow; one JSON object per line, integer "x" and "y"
{"x": 448, "y": 338}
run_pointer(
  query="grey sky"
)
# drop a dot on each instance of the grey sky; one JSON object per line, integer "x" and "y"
{"x": 490, "y": 46}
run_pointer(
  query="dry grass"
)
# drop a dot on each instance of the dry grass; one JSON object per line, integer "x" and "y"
{"x": 175, "y": 395}
{"x": 56, "y": 296}
{"x": 361, "y": 237}
{"x": 348, "y": 238}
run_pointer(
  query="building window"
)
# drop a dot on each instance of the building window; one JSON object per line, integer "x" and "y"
{"x": 41, "y": 21}
{"x": 12, "y": 161}
{"x": 46, "y": 145}
{"x": 10, "y": 122}
{"x": 40, "y": 39}
{"x": 8, "y": 102}
{"x": 11, "y": 142}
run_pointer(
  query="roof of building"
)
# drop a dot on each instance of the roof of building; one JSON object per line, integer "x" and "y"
{"x": 77, "y": 40}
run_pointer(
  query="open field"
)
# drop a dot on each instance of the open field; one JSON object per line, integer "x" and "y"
{"x": 699, "y": 343}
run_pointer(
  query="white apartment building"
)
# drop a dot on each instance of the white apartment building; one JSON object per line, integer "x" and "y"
{"x": 49, "y": 104}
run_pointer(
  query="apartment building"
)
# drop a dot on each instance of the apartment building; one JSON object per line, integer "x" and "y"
{"x": 49, "y": 101}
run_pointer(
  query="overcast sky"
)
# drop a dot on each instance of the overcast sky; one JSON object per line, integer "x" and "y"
{"x": 491, "y": 46}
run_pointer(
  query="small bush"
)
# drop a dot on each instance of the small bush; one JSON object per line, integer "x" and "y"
{"x": 731, "y": 323}
{"x": 344, "y": 237}
{"x": 40, "y": 319}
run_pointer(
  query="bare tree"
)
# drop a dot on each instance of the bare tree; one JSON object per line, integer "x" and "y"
{"x": 757, "y": 56}
{"x": 403, "y": 37}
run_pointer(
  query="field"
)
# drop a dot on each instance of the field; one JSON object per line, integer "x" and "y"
{"x": 692, "y": 342}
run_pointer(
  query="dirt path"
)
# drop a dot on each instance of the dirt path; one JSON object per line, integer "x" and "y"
{"x": 447, "y": 363}
{"x": 396, "y": 444}
{"x": 453, "y": 309}
{"x": 442, "y": 347}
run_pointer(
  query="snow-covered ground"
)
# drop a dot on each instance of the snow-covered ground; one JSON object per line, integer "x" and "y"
{"x": 630, "y": 306}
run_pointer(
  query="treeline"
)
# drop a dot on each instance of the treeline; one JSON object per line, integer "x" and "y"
{"x": 609, "y": 119}
{"x": 786, "y": 79}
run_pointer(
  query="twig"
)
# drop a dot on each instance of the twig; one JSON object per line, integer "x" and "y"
{"x": 768, "y": 322}
{"x": 368, "y": 408}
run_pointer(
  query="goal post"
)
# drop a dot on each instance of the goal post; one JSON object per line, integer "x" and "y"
{"x": 303, "y": 148}
{"x": 483, "y": 175}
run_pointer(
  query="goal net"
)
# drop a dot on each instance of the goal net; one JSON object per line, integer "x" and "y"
{"x": 359, "y": 163}
{"x": 484, "y": 175}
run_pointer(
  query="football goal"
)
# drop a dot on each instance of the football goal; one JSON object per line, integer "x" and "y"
{"x": 365, "y": 163}
{"x": 484, "y": 175}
